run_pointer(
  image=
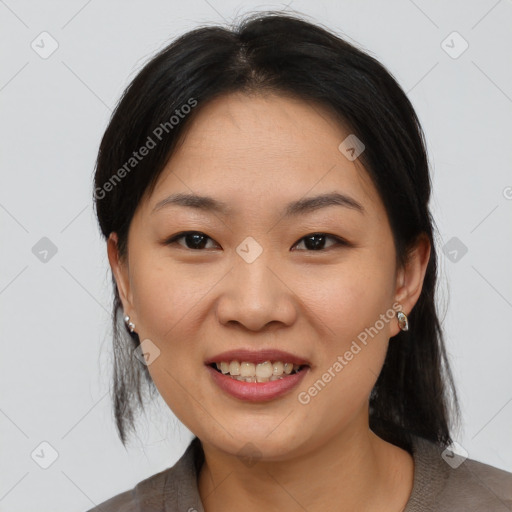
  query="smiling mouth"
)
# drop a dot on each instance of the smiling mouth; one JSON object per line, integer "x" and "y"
{"x": 267, "y": 371}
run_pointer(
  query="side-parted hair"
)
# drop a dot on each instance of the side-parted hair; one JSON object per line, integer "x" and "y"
{"x": 285, "y": 54}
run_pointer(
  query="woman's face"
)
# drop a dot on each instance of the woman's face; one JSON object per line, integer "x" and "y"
{"x": 255, "y": 277}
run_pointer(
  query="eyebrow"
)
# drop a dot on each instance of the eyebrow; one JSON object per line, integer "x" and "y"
{"x": 295, "y": 208}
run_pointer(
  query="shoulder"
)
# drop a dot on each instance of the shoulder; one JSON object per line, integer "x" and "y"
{"x": 148, "y": 492}
{"x": 168, "y": 490}
{"x": 124, "y": 502}
{"x": 444, "y": 484}
{"x": 478, "y": 486}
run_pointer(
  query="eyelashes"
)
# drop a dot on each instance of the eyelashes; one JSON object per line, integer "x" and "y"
{"x": 313, "y": 242}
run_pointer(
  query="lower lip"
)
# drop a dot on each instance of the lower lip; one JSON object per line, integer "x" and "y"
{"x": 257, "y": 391}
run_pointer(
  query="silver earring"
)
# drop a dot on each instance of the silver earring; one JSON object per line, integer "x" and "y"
{"x": 130, "y": 325}
{"x": 403, "y": 321}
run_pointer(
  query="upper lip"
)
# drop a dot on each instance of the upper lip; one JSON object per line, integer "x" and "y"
{"x": 257, "y": 356}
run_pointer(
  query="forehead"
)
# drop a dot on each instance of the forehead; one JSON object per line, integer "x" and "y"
{"x": 256, "y": 151}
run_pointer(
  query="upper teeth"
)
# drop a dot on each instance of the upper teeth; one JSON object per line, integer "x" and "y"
{"x": 264, "y": 370}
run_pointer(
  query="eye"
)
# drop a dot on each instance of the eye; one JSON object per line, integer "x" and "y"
{"x": 193, "y": 239}
{"x": 316, "y": 241}
{"x": 196, "y": 240}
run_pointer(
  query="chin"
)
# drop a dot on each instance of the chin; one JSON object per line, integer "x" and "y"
{"x": 262, "y": 443}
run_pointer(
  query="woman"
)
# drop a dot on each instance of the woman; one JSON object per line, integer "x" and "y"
{"x": 264, "y": 196}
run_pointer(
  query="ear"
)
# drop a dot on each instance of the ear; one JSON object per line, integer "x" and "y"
{"x": 121, "y": 273}
{"x": 409, "y": 280}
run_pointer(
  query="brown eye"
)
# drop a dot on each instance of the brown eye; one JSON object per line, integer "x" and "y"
{"x": 316, "y": 241}
{"x": 194, "y": 240}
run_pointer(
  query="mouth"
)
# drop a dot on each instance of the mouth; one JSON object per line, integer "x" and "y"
{"x": 260, "y": 381}
{"x": 266, "y": 371}
{"x": 257, "y": 375}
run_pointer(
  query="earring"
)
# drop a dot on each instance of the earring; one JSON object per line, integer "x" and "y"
{"x": 403, "y": 321}
{"x": 130, "y": 325}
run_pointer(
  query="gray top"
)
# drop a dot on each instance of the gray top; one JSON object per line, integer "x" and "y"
{"x": 438, "y": 487}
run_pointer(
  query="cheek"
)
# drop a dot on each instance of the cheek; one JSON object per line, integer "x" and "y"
{"x": 354, "y": 342}
{"x": 351, "y": 297}
{"x": 170, "y": 302}
{"x": 165, "y": 297}
{"x": 166, "y": 300}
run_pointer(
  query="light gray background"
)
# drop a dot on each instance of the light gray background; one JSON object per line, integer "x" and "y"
{"x": 55, "y": 367}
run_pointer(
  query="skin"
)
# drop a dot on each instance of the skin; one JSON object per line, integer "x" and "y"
{"x": 258, "y": 153}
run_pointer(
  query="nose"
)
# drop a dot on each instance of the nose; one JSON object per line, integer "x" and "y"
{"x": 256, "y": 295}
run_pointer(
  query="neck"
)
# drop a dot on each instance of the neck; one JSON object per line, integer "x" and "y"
{"x": 354, "y": 470}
